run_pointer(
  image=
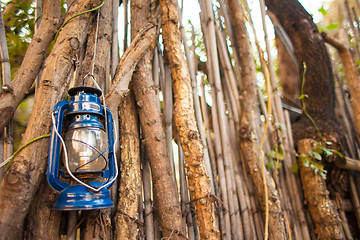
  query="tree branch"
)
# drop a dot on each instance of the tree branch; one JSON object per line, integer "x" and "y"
{"x": 20, "y": 85}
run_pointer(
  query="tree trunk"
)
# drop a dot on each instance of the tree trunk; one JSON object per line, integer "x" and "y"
{"x": 319, "y": 119}
{"x": 19, "y": 185}
{"x": 130, "y": 182}
{"x": 248, "y": 136}
{"x": 165, "y": 194}
{"x": 31, "y": 64}
{"x": 288, "y": 75}
{"x": 309, "y": 49}
{"x": 43, "y": 222}
{"x": 94, "y": 62}
{"x": 326, "y": 219}
{"x": 97, "y": 64}
{"x": 186, "y": 123}
{"x": 352, "y": 77}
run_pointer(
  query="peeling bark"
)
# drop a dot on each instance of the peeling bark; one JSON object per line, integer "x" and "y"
{"x": 186, "y": 123}
{"x": 43, "y": 222}
{"x": 130, "y": 182}
{"x": 19, "y": 185}
{"x": 326, "y": 219}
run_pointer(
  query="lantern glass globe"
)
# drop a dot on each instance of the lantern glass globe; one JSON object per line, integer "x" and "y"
{"x": 87, "y": 150}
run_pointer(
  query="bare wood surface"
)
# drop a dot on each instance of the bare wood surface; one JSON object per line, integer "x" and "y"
{"x": 21, "y": 181}
{"x": 349, "y": 164}
{"x": 186, "y": 123}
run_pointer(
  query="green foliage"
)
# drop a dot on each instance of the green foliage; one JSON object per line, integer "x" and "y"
{"x": 277, "y": 154}
{"x": 19, "y": 28}
{"x": 307, "y": 161}
{"x": 281, "y": 127}
{"x": 322, "y": 11}
{"x": 332, "y": 26}
{"x": 315, "y": 158}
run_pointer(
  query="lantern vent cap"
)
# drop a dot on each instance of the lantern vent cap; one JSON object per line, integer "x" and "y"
{"x": 85, "y": 89}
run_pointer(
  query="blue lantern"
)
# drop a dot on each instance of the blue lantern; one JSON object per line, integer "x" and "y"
{"x": 88, "y": 167}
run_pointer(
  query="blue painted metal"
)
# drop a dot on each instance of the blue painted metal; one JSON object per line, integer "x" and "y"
{"x": 55, "y": 147}
{"x": 84, "y": 110}
{"x": 78, "y": 197}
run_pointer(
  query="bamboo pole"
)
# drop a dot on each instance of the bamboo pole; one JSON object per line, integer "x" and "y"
{"x": 184, "y": 192}
{"x": 295, "y": 184}
{"x": 204, "y": 108}
{"x": 8, "y": 134}
{"x": 126, "y": 24}
{"x": 141, "y": 233}
{"x": 71, "y": 227}
{"x": 217, "y": 142}
{"x": 149, "y": 212}
{"x": 219, "y": 101}
{"x": 6, "y": 77}
{"x": 168, "y": 117}
{"x": 115, "y": 41}
{"x": 156, "y": 75}
{"x": 351, "y": 24}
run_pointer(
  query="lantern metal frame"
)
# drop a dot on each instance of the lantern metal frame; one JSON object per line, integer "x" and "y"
{"x": 93, "y": 195}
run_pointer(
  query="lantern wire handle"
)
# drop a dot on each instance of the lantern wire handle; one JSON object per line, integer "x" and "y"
{"x": 102, "y": 93}
{"x": 67, "y": 160}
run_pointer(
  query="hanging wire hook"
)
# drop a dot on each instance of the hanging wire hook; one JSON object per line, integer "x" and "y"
{"x": 89, "y": 75}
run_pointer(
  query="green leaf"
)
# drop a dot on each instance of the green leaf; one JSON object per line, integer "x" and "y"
{"x": 337, "y": 152}
{"x": 278, "y": 165}
{"x": 302, "y": 96}
{"x": 323, "y": 174}
{"x": 332, "y": 26}
{"x": 317, "y": 156}
{"x": 269, "y": 165}
{"x": 316, "y": 165}
{"x": 327, "y": 151}
{"x": 280, "y": 126}
{"x": 322, "y": 11}
{"x": 271, "y": 154}
{"x": 303, "y": 156}
{"x": 311, "y": 153}
{"x": 280, "y": 156}
{"x": 306, "y": 163}
{"x": 319, "y": 150}
{"x": 295, "y": 168}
